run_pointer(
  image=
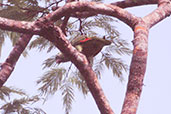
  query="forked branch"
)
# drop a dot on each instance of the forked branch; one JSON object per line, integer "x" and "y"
{"x": 56, "y": 36}
{"x": 45, "y": 27}
{"x": 139, "y": 59}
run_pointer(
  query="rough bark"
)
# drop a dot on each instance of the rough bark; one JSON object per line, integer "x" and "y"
{"x": 163, "y": 11}
{"x": 58, "y": 39}
{"x": 137, "y": 69}
{"x": 132, "y": 3}
{"x": 17, "y": 26}
{"x": 44, "y": 27}
{"x": 138, "y": 63}
{"x": 92, "y": 8}
{"x": 8, "y": 66}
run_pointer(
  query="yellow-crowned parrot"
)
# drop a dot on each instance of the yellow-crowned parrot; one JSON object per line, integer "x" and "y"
{"x": 89, "y": 46}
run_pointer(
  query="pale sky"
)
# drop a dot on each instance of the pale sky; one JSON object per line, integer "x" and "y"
{"x": 155, "y": 98}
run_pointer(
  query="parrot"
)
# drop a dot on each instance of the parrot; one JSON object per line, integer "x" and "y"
{"x": 89, "y": 46}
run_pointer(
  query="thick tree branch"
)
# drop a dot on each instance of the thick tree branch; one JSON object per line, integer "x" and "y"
{"x": 54, "y": 34}
{"x": 68, "y": 9}
{"x": 8, "y": 66}
{"x": 96, "y": 8}
{"x": 18, "y": 26}
{"x": 137, "y": 69}
{"x": 161, "y": 2}
{"x": 58, "y": 39}
{"x": 138, "y": 63}
{"x": 163, "y": 11}
{"x": 132, "y": 3}
{"x": 84, "y": 14}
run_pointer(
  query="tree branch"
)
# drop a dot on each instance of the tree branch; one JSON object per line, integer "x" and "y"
{"x": 132, "y": 3}
{"x": 139, "y": 59}
{"x": 64, "y": 24}
{"x": 84, "y": 14}
{"x": 8, "y": 66}
{"x": 68, "y": 9}
{"x": 56, "y": 36}
{"x": 94, "y": 8}
{"x": 137, "y": 69}
{"x": 44, "y": 28}
{"x": 18, "y": 26}
{"x": 161, "y": 2}
{"x": 163, "y": 11}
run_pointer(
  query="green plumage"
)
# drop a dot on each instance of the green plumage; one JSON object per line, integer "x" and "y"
{"x": 89, "y": 46}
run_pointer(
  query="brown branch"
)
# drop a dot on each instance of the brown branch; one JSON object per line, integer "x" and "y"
{"x": 139, "y": 59}
{"x": 163, "y": 11}
{"x": 64, "y": 24}
{"x": 82, "y": 9}
{"x": 132, "y": 3}
{"x": 65, "y": 21}
{"x": 137, "y": 69}
{"x": 96, "y": 8}
{"x": 18, "y": 26}
{"x": 8, "y": 66}
{"x": 80, "y": 26}
{"x": 68, "y": 9}
{"x": 161, "y": 2}
{"x": 56, "y": 36}
{"x": 84, "y": 14}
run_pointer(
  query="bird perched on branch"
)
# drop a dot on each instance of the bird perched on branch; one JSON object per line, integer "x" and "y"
{"x": 89, "y": 46}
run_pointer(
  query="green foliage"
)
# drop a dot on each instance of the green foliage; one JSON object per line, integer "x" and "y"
{"x": 7, "y": 91}
{"x": 78, "y": 81}
{"x": 21, "y": 106}
{"x": 41, "y": 44}
{"x": 120, "y": 47}
{"x": 57, "y": 79}
{"x": 20, "y": 9}
{"x": 68, "y": 95}
{"x": 116, "y": 64}
{"x": 50, "y": 81}
{"x": 50, "y": 62}
{"x": 106, "y": 59}
{"x": 98, "y": 23}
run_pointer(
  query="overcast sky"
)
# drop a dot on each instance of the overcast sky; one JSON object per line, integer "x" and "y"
{"x": 155, "y": 98}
